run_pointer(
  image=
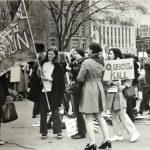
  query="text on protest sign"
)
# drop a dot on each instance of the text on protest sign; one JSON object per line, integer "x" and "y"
{"x": 16, "y": 41}
{"x": 120, "y": 69}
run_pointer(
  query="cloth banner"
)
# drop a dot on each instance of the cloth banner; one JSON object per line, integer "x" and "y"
{"x": 16, "y": 41}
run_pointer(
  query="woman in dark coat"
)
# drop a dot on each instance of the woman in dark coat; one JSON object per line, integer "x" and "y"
{"x": 3, "y": 94}
{"x": 53, "y": 86}
{"x": 75, "y": 68}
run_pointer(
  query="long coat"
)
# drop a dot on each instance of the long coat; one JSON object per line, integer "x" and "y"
{"x": 58, "y": 86}
{"x": 3, "y": 89}
{"x": 92, "y": 96}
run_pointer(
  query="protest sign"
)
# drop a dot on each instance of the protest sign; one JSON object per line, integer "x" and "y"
{"x": 16, "y": 41}
{"x": 120, "y": 69}
{"x": 15, "y": 74}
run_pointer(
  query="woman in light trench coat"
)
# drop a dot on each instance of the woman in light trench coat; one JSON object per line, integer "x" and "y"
{"x": 92, "y": 97}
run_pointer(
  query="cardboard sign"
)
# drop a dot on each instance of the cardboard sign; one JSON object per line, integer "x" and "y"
{"x": 15, "y": 74}
{"x": 119, "y": 69}
{"x": 16, "y": 41}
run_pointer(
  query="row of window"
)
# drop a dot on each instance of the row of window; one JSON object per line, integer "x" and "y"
{"x": 115, "y": 36}
{"x": 75, "y": 43}
{"x": 53, "y": 29}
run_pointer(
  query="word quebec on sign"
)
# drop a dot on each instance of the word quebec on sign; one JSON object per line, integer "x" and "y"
{"x": 120, "y": 69}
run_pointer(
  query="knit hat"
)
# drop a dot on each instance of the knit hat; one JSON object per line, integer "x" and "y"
{"x": 80, "y": 52}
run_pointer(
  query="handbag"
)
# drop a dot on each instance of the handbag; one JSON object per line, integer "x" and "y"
{"x": 9, "y": 112}
{"x": 129, "y": 92}
{"x": 74, "y": 88}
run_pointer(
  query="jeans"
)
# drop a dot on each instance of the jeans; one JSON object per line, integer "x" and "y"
{"x": 43, "y": 116}
{"x": 120, "y": 118}
{"x": 80, "y": 119}
{"x": 35, "y": 109}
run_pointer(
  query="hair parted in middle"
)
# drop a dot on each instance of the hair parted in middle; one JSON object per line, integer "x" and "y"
{"x": 55, "y": 50}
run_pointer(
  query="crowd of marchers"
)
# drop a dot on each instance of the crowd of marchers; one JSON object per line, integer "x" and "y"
{"x": 61, "y": 81}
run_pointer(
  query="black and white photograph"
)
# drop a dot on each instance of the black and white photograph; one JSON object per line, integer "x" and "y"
{"x": 74, "y": 74}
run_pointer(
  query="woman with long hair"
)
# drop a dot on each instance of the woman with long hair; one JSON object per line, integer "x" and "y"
{"x": 92, "y": 100}
{"x": 53, "y": 86}
{"x": 119, "y": 116}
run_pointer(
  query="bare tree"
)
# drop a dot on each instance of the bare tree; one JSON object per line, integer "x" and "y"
{"x": 14, "y": 4}
{"x": 66, "y": 13}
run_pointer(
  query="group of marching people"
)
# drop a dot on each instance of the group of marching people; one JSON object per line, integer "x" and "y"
{"x": 58, "y": 78}
{"x": 79, "y": 77}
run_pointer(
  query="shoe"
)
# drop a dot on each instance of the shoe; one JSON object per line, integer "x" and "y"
{"x": 78, "y": 136}
{"x": 43, "y": 137}
{"x": 90, "y": 147}
{"x": 105, "y": 145}
{"x": 116, "y": 138}
{"x": 135, "y": 136}
{"x": 59, "y": 136}
{"x": 34, "y": 116}
{"x": 2, "y": 142}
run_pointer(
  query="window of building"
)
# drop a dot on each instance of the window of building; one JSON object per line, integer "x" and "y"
{"x": 39, "y": 47}
{"x": 52, "y": 29}
{"x": 74, "y": 28}
{"x": 100, "y": 34}
{"x": 83, "y": 29}
{"x": 75, "y": 43}
{"x": 126, "y": 36}
{"x": 111, "y": 36}
{"x": 115, "y": 37}
{"x": 94, "y": 27}
{"x": 83, "y": 44}
{"x": 119, "y": 37}
{"x": 104, "y": 35}
{"x": 108, "y": 35}
{"x": 129, "y": 37}
{"x": 53, "y": 42}
{"x": 122, "y": 37}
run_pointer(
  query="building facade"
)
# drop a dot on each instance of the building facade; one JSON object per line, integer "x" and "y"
{"x": 114, "y": 34}
{"x": 144, "y": 31}
{"x": 143, "y": 40}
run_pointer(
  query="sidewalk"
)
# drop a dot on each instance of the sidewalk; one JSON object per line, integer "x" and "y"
{"x": 21, "y": 135}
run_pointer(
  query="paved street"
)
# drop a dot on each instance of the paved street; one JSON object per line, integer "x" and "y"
{"x": 21, "y": 135}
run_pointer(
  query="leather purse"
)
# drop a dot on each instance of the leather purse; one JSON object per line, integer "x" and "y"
{"x": 129, "y": 92}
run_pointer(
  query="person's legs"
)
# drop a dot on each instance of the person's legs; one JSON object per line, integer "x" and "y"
{"x": 129, "y": 109}
{"x": 43, "y": 115}
{"x": 56, "y": 121}
{"x": 1, "y": 142}
{"x": 128, "y": 124}
{"x": 103, "y": 126}
{"x": 90, "y": 128}
{"x": 145, "y": 101}
{"x": 130, "y": 127}
{"x": 116, "y": 123}
{"x": 80, "y": 119}
{"x": 35, "y": 110}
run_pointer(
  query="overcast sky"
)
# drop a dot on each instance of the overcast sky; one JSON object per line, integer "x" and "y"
{"x": 143, "y": 19}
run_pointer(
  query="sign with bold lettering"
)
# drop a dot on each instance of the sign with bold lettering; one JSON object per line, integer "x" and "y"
{"x": 120, "y": 69}
{"x": 16, "y": 41}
